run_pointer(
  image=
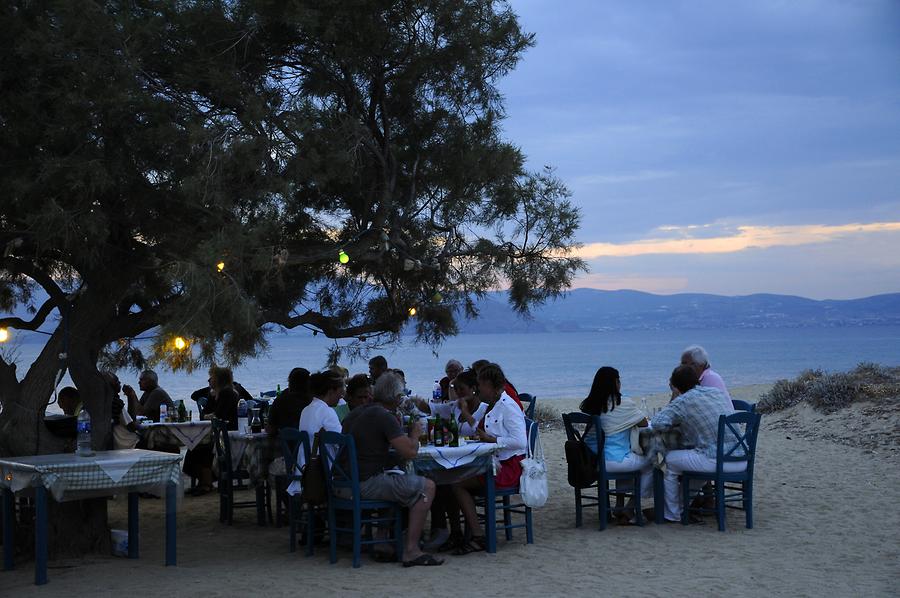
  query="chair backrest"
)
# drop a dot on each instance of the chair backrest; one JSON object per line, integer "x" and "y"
{"x": 570, "y": 420}
{"x": 291, "y": 439}
{"x": 222, "y": 444}
{"x": 338, "y": 453}
{"x": 743, "y": 427}
{"x": 528, "y": 401}
{"x": 740, "y": 405}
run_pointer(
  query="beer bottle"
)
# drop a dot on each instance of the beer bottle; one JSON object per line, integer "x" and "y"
{"x": 182, "y": 412}
{"x": 454, "y": 432}
{"x": 438, "y": 432}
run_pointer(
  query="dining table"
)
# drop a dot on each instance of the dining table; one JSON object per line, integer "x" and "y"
{"x": 67, "y": 477}
{"x": 188, "y": 434}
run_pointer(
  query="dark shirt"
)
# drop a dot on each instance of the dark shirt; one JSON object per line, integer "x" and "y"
{"x": 285, "y": 410}
{"x": 372, "y": 427}
{"x": 152, "y": 399}
{"x": 201, "y": 396}
{"x": 224, "y": 405}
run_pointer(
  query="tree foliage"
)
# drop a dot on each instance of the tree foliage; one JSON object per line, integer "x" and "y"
{"x": 143, "y": 143}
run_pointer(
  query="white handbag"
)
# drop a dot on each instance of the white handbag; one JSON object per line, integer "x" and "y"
{"x": 533, "y": 484}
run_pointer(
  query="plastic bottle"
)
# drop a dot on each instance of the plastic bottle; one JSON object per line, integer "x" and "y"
{"x": 84, "y": 434}
{"x": 644, "y": 407}
{"x": 436, "y": 393}
{"x": 163, "y": 413}
{"x": 242, "y": 416}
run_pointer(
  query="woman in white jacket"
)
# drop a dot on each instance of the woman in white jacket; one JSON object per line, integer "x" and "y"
{"x": 503, "y": 424}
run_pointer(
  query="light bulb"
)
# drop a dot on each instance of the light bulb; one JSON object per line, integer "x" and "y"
{"x": 4, "y": 335}
{"x": 180, "y": 343}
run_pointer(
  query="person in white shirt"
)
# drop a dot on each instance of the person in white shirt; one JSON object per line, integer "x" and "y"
{"x": 327, "y": 388}
{"x": 503, "y": 424}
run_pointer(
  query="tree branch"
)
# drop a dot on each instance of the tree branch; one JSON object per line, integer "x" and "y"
{"x": 327, "y": 325}
{"x": 35, "y": 322}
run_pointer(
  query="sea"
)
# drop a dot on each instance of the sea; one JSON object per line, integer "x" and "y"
{"x": 561, "y": 365}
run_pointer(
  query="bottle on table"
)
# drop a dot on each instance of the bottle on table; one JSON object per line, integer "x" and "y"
{"x": 182, "y": 411}
{"x": 453, "y": 429}
{"x": 242, "y": 416}
{"x": 436, "y": 393}
{"x": 438, "y": 431}
{"x": 256, "y": 422}
{"x": 644, "y": 407}
{"x": 84, "y": 434}
{"x": 163, "y": 413}
{"x": 423, "y": 430}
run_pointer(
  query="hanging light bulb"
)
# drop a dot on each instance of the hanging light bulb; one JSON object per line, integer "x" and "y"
{"x": 4, "y": 335}
{"x": 180, "y": 343}
{"x": 437, "y": 297}
{"x": 220, "y": 266}
{"x": 413, "y": 311}
{"x": 343, "y": 257}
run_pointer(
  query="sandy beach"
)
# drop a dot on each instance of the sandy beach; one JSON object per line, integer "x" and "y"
{"x": 825, "y": 524}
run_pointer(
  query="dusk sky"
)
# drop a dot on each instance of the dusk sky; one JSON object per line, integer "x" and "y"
{"x": 723, "y": 147}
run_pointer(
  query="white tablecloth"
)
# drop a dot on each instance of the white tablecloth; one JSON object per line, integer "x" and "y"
{"x": 449, "y": 457}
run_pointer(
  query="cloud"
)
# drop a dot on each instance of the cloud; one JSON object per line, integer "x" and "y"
{"x": 744, "y": 238}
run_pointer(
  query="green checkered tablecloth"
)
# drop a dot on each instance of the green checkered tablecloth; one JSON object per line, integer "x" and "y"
{"x": 70, "y": 476}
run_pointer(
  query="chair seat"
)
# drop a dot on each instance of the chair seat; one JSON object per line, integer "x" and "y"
{"x": 735, "y": 476}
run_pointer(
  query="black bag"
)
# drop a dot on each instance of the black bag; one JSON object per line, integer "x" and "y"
{"x": 582, "y": 462}
{"x": 314, "y": 490}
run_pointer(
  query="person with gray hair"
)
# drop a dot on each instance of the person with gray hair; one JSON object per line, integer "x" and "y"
{"x": 697, "y": 358}
{"x": 375, "y": 430}
{"x": 453, "y": 369}
{"x": 153, "y": 396}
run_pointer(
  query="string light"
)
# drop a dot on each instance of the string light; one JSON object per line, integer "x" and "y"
{"x": 413, "y": 311}
{"x": 220, "y": 266}
{"x": 4, "y": 335}
{"x": 343, "y": 257}
{"x": 180, "y": 343}
{"x": 437, "y": 297}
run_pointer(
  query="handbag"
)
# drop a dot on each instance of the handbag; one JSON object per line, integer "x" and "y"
{"x": 581, "y": 461}
{"x": 314, "y": 489}
{"x": 533, "y": 482}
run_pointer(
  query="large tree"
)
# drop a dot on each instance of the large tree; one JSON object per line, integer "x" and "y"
{"x": 198, "y": 167}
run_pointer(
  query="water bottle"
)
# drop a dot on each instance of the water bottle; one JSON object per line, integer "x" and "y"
{"x": 84, "y": 434}
{"x": 644, "y": 407}
{"x": 242, "y": 416}
{"x": 163, "y": 413}
{"x": 436, "y": 393}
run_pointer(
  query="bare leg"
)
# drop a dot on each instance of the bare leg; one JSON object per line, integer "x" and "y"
{"x": 417, "y": 514}
{"x": 466, "y": 502}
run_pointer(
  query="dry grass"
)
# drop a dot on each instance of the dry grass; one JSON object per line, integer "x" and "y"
{"x": 830, "y": 392}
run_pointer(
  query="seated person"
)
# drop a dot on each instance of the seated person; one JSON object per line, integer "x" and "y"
{"x": 508, "y": 388}
{"x": 69, "y": 400}
{"x": 223, "y": 405}
{"x": 151, "y": 399}
{"x": 452, "y": 370}
{"x": 287, "y": 407}
{"x": 618, "y": 416}
{"x": 375, "y": 430}
{"x": 697, "y": 409}
{"x": 327, "y": 388}
{"x": 124, "y": 431}
{"x": 359, "y": 391}
{"x": 201, "y": 396}
{"x": 468, "y": 410}
{"x": 504, "y": 423}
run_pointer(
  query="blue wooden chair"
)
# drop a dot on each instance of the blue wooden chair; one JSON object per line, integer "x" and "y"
{"x": 228, "y": 475}
{"x": 570, "y": 420}
{"x": 740, "y": 405}
{"x": 528, "y": 402}
{"x": 728, "y": 487}
{"x": 504, "y": 504}
{"x": 291, "y": 440}
{"x": 338, "y": 453}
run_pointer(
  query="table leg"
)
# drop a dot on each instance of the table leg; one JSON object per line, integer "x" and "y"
{"x": 490, "y": 512}
{"x": 659, "y": 496}
{"x": 40, "y": 536}
{"x": 171, "y": 556}
{"x": 133, "y": 525}
{"x": 9, "y": 520}
{"x": 260, "y": 503}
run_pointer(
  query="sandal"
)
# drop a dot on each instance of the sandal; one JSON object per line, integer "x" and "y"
{"x": 474, "y": 544}
{"x": 423, "y": 560}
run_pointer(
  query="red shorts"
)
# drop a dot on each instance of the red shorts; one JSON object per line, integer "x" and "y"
{"x": 509, "y": 474}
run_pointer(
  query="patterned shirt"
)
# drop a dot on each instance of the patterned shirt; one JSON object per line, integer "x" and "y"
{"x": 697, "y": 412}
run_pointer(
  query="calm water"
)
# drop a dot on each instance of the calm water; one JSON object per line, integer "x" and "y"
{"x": 556, "y": 365}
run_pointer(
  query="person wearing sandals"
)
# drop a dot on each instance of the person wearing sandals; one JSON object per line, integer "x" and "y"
{"x": 503, "y": 424}
{"x": 618, "y": 415}
{"x": 468, "y": 410}
{"x": 375, "y": 430}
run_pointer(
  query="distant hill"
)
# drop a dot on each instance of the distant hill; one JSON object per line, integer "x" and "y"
{"x": 591, "y": 309}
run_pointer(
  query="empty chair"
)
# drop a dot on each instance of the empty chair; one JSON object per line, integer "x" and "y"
{"x": 342, "y": 480}
{"x": 740, "y": 405}
{"x": 728, "y": 487}
{"x": 528, "y": 402}
{"x": 228, "y": 475}
{"x": 570, "y": 421}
